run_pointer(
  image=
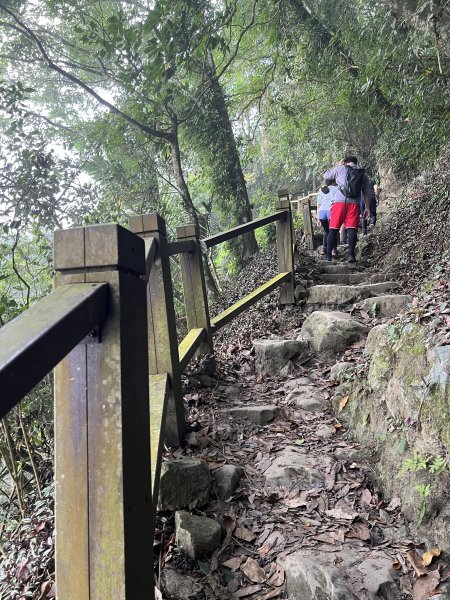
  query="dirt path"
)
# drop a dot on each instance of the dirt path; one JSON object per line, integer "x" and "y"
{"x": 305, "y": 521}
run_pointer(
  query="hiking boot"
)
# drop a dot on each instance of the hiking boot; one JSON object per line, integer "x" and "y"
{"x": 323, "y": 251}
{"x": 326, "y": 257}
{"x": 351, "y": 258}
{"x": 334, "y": 254}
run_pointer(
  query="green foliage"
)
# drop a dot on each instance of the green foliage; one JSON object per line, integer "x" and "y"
{"x": 424, "y": 490}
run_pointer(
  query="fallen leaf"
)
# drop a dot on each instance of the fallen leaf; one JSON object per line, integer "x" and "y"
{"x": 423, "y": 587}
{"x": 339, "y": 513}
{"x": 248, "y": 591}
{"x": 242, "y": 533}
{"x": 277, "y": 578}
{"x": 366, "y": 497}
{"x": 272, "y": 594}
{"x": 416, "y": 563}
{"x": 393, "y": 504}
{"x": 428, "y": 556}
{"x": 343, "y": 403}
{"x": 233, "y": 563}
{"x": 253, "y": 571}
{"x": 359, "y": 531}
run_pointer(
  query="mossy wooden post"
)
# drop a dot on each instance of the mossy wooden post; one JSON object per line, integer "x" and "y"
{"x": 307, "y": 223}
{"x": 162, "y": 333}
{"x": 285, "y": 253}
{"x": 104, "y": 518}
{"x": 194, "y": 288}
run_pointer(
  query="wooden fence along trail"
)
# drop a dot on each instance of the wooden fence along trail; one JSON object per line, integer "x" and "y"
{"x": 109, "y": 329}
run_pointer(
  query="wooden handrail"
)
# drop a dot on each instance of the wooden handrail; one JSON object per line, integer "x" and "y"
{"x": 189, "y": 346}
{"x": 35, "y": 341}
{"x": 241, "y": 305}
{"x": 241, "y": 229}
{"x": 181, "y": 247}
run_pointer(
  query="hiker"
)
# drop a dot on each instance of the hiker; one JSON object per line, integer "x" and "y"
{"x": 373, "y": 201}
{"x": 350, "y": 181}
{"x": 324, "y": 202}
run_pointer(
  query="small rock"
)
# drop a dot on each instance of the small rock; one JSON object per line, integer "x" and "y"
{"x": 325, "y": 432}
{"x": 293, "y": 384}
{"x": 329, "y": 332}
{"x": 300, "y": 292}
{"x": 386, "y": 306}
{"x": 184, "y": 483}
{"x": 293, "y": 465}
{"x": 271, "y": 356}
{"x": 178, "y": 586}
{"x": 196, "y": 536}
{"x": 261, "y": 415}
{"x": 439, "y": 374}
{"x": 226, "y": 479}
{"x": 306, "y": 398}
{"x": 340, "y": 371}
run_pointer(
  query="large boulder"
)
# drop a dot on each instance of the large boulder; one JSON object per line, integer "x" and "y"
{"x": 339, "y": 295}
{"x": 329, "y": 332}
{"x": 346, "y": 575}
{"x": 196, "y": 536}
{"x": 184, "y": 483}
{"x": 273, "y": 357}
{"x": 386, "y": 306}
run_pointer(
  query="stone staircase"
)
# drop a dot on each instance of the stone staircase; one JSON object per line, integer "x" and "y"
{"x": 318, "y": 487}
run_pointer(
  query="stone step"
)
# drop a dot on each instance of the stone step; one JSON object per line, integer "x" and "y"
{"x": 386, "y": 306}
{"x": 338, "y": 267}
{"x": 355, "y": 278}
{"x": 348, "y": 574}
{"x": 260, "y": 414}
{"x": 339, "y": 295}
{"x": 330, "y": 332}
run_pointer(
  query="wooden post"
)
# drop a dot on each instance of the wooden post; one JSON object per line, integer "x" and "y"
{"x": 285, "y": 252}
{"x": 162, "y": 333}
{"x": 307, "y": 223}
{"x": 194, "y": 288}
{"x": 104, "y": 517}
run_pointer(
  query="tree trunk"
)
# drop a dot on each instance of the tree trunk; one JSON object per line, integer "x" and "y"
{"x": 230, "y": 169}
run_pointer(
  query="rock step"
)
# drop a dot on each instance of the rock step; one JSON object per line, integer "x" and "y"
{"x": 260, "y": 414}
{"x": 355, "y": 278}
{"x": 329, "y": 332}
{"x": 339, "y": 295}
{"x": 338, "y": 267}
{"x": 386, "y": 306}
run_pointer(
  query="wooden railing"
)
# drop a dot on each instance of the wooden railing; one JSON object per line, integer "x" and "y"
{"x": 109, "y": 329}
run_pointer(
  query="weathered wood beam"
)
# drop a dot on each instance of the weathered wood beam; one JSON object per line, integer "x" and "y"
{"x": 160, "y": 394}
{"x": 33, "y": 343}
{"x": 162, "y": 334}
{"x": 285, "y": 254}
{"x": 237, "y": 231}
{"x": 189, "y": 346}
{"x": 241, "y": 305}
{"x": 104, "y": 511}
{"x": 194, "y": 290}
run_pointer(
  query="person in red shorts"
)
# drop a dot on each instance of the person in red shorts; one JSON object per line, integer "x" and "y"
{"x": 351, "y": 181}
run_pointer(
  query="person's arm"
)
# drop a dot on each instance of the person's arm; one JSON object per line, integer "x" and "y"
{"x": 366, "y": 191}
{"x": 331, "y": 173}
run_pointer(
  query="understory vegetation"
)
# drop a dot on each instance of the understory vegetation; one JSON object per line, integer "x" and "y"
{"x": 200, "y": 111}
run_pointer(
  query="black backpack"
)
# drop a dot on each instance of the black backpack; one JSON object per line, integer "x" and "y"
{"x": 354, "y": 182}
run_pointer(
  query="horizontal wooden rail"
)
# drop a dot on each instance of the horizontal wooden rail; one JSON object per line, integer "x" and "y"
{"x": 190, "y": 345}
{"x": 251, "y": 226}
{"x": 34, "y": 342}
{"x": 159, "y": 393}
{"x": 181, "y": 247}
{"x": 236, "y": 309}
